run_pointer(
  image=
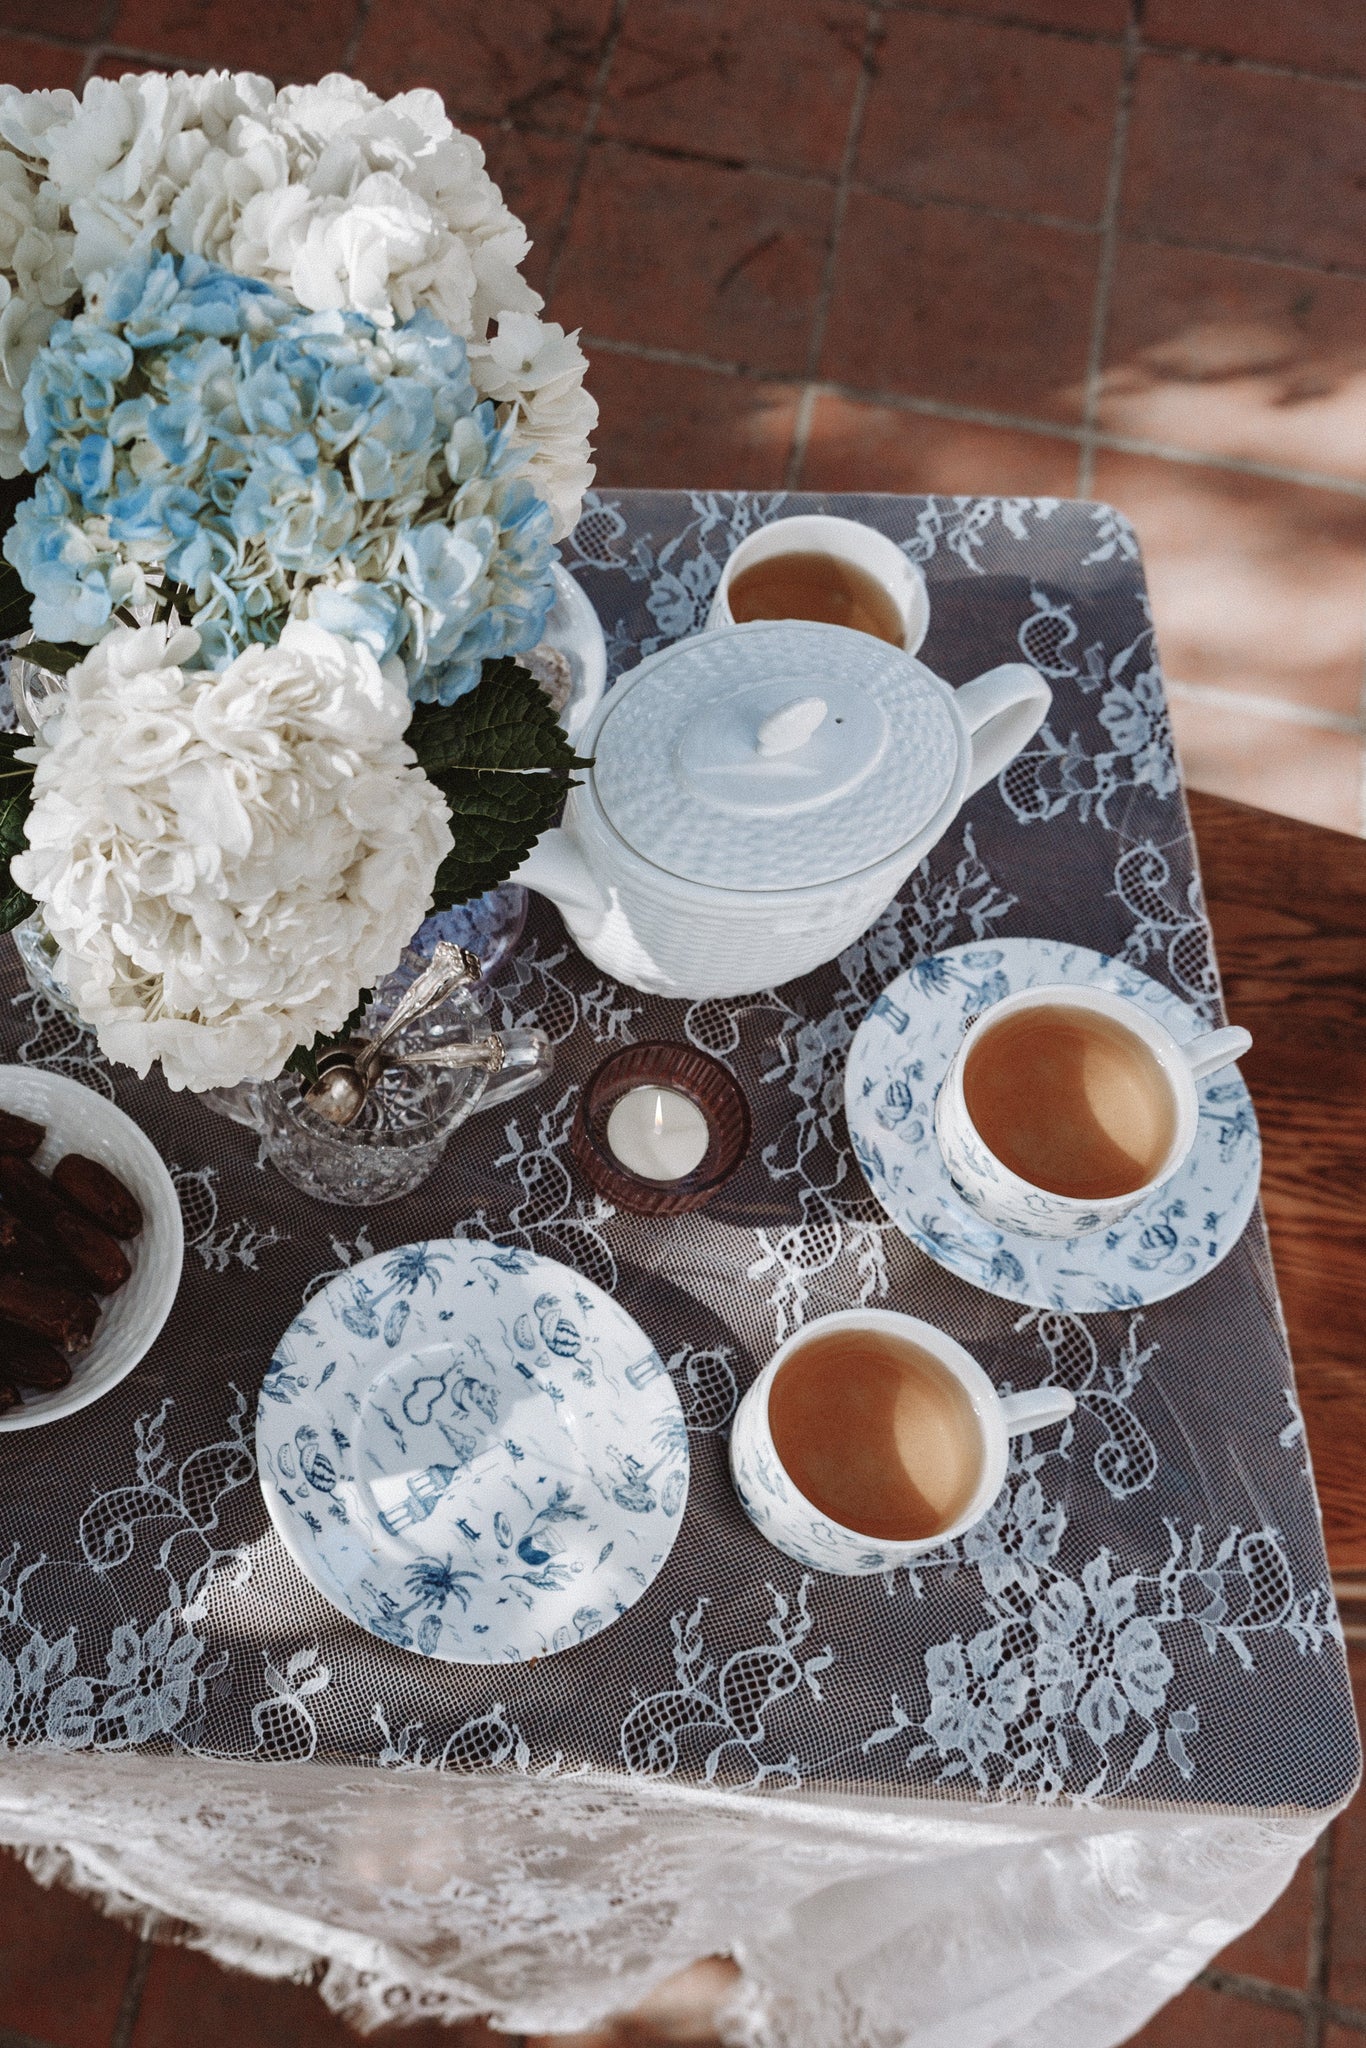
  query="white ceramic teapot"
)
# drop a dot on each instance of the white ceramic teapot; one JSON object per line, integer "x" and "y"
{"x": 759, "y": 794}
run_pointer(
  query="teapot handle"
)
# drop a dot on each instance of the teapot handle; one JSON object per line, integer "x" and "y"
{"x": 1002, "y": 709}
{"x": 528, "y": 1057}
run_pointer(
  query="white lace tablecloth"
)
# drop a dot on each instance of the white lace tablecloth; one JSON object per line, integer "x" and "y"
{"x": 1018, "y": 1796}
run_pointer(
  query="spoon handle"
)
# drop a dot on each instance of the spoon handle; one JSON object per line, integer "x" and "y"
{"x": 486, "y": 1052}
{"x": 452, "y": 967}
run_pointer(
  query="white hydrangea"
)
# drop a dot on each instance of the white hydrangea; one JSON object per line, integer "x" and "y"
{"x": 36, "y": 284}
{"x": 332, "y": 196}
{"x": 225, "y": 861}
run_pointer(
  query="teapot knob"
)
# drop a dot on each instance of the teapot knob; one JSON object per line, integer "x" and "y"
{"x": 786, "y": 730}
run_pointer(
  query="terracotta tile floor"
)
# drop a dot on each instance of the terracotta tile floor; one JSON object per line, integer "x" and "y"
{"x": 1032, "y": 246}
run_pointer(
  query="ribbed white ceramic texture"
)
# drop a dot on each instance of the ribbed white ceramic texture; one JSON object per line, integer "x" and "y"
{"x": 815, "y": 815}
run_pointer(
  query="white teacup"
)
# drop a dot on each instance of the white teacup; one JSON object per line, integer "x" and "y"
{"x": 792, "y": 1523}
{"x": 821, "y": 533}
{"x": 1008, "y": 1200}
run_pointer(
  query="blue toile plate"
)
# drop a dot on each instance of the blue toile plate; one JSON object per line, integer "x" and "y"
{"x": 472, "y": 1451}
{"x": 900, "y": 1055}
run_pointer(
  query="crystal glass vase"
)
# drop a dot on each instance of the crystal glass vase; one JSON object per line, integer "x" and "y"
{"x": 409, "y": 1114}
{"x": 37, "y": 951}
{"x": 399, "y": 1137}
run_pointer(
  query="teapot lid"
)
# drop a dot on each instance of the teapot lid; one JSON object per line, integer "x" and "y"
{"x": 779, "y": 754}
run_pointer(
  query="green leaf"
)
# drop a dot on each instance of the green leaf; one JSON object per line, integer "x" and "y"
{"x": 16, "y": 797}
{"x": 14, "y": 602}
{"x": 496, "y": 820}
{"x": 504, "y": 726}
{"x": 48, "y": 654}
{"x": 503, "y": 764}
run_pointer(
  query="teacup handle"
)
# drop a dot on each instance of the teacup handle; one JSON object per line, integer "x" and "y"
{"x": 1037, "y": 1409}
{"x": 1002, "y": 709}
{"x": 1216, "y": 1049}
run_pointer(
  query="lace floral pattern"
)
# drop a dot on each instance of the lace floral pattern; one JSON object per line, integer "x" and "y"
{"x": 1101, "y": 1674}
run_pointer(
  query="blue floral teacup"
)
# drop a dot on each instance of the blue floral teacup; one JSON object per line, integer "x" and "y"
{"x": 792, "y": 1523}
{"x": 1004, "y": 1197}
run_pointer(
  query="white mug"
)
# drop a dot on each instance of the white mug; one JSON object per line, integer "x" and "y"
{"x": 791, "y": 1523}
{"x": 1002, "y": 1197}
{"x": 821, "y": 533}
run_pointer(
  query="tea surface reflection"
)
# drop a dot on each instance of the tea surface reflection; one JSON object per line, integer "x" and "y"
{"x": 876, "y": 1433}
{"x": 807, "y": 585}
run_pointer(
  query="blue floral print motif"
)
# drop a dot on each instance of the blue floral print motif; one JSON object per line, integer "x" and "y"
{"x": 426, "y": 1467}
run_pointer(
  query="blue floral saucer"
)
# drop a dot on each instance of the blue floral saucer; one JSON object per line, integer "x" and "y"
{"x": 899, "y": 1057}
{"x": 472, "y": 1451}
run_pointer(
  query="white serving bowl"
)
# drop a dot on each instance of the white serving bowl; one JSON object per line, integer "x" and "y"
{"x": 78, "y": 1120}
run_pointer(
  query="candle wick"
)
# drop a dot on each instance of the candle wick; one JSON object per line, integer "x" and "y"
{"x": 659, "y": 1114}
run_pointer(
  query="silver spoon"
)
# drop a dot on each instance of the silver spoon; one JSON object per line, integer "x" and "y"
{"x": 347, "y": 1071}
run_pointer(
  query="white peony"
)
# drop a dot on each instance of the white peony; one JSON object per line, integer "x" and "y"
{"x": 225, "y": 861}
{"x": 331, "y": 195}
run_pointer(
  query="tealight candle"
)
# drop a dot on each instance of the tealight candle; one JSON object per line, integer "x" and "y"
{"x": 657, "y": 1133}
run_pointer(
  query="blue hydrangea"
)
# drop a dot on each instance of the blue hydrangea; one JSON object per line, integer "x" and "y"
{"x": 193, "y": 427}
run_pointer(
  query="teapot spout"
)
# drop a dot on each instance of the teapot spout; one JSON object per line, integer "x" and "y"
{"x": 556, "y": 868}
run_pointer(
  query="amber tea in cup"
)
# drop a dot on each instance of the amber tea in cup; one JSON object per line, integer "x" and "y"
{"x": 877, "y": 1433}
{"x": 808, "y": 585}
{"x": 1072, "y": 1101}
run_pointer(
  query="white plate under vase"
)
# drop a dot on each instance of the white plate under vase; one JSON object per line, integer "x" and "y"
{"x": 898, "y": 1059}
{"x": 472, "y": 1451}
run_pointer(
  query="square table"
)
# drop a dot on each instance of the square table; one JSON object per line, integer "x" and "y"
{"x": 1019, "y": 1795}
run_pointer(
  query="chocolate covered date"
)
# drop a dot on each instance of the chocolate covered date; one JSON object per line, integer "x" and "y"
{"x": 29, "y": 1193}
{"x": 98, "y": 1256}
{"x": 29, "y": 1361}
{"x": 9, "y": 1397}
{"x": 23, "y": 1251}
{"x": 60, "y": 1314}
{"x": 17, "y": 1134}
{"x": 99, "y": 1194}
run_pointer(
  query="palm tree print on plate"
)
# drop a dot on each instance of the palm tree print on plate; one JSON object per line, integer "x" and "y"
{"x": 474, "y": 1452}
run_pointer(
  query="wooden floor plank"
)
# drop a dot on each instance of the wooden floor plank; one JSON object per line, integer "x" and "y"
{"x": 1288, "y": 905}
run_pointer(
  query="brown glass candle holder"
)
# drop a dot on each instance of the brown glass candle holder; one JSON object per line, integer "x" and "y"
{"x": 660, "y": 1063}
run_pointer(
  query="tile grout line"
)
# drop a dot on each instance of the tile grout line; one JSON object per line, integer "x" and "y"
{"x": 1261, "y": 1991}
{"x": 130, "y": 2004}
{"x": 1109, "y": 252}
{"x": 1260, "y": 67}
{"x": 1320, "y": 1938}
{"x": 981, "y": 416}
{"x": 1048, "y": 31}
{"x": 1253, "y": 1990}
{"x": 560, "y": 239}
{"x": 1282, "y": 710}
{"x": 1191, "y": 53}
{"x": 853, "y": 135}
{"x": 1153, "y": 239}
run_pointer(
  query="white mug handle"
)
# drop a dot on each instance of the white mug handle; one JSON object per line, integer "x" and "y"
{"x": 1215, "y": 1049}
{"x": 1002, "y": 709}
{"x": 1037, "y": 1409}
